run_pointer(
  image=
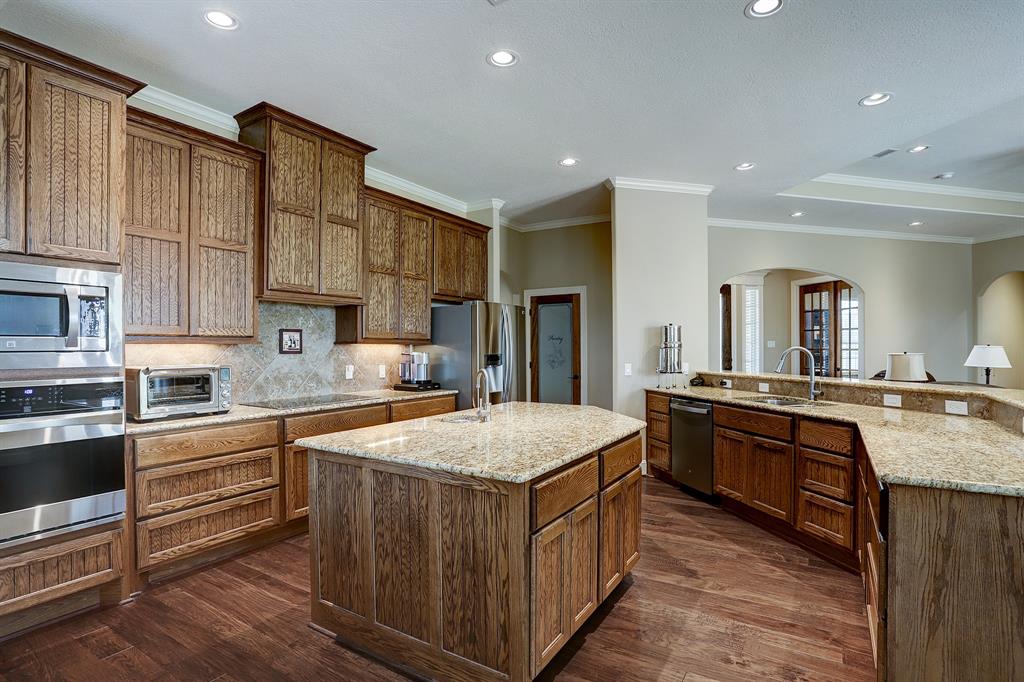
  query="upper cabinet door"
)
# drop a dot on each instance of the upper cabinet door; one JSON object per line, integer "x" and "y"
{"x": 417, "y": 266}
{"x": 293, "y": 232}
{"x": 12, "y": 154}
{"x": 341, "y": 225}
{"x": 156, "y": 233}
{"x": 75, "y": 168}
{"x": 447, "y": 259}
{"x": 223, "y": 243}
{"x": 380, "y": 316}
{"x": 474, "y": 264}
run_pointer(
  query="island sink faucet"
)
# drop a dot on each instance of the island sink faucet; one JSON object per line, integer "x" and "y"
{"x": 810, "y": 359}
{"x": 482, "y": 403}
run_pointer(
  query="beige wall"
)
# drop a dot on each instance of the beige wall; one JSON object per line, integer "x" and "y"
{"x": 659, "y": 276}
{"x": 566, "y": 257}
{"x": 992, "y": 259}
{"x": 513, "y": 266}
{"x": 1001, "y": 323}
{"x": 917, "y": 295}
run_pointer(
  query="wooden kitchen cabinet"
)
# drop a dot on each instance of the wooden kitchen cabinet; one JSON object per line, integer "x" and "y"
{"x": 313, "y": 242}
{"x": 190, "y": 232}
{"x": 770, "y": 477}
{"x": 62, "y": 135}
{"x": 460, "y": 260}
{"x": 620, "y": 530}
{"x": 659, "y": 436}
{"x": 730, "y": 463}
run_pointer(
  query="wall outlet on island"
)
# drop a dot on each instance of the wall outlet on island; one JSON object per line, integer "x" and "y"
{"x": 350, "y": 371}
{"x": 956, "y": 407}
{"x": 763, "y": 387}
{"x": 382, "y": 371}
{"x": 726, "y": 383}
{"x": 892, "y": 400}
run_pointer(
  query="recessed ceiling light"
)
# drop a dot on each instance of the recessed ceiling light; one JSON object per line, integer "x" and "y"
{"x": 917, "y": 149}
{"x": 745, "y": 166}
{"x": 221, "y": 20}
{"x": 759, "y": 9}
{"x": 502, "y": 58}
{"x": 568, "y": 162}
{"x": 875, "y": 98}
{"x": 796, "y": 214}
{"x": 916, "y": 223}
{"x": 944, "y": 176}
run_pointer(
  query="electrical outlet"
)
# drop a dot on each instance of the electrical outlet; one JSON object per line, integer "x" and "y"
{"x": 382, "y": 371}
{"x": 771, "y": 343}
{"x": 726, "y": 383}
{"x": 350, "y": 371}
{"x": 956, "y": 407}
{"x": 763, "y": 387}
{"x": 892, "y": 400}
{"x": 628, "y": 369}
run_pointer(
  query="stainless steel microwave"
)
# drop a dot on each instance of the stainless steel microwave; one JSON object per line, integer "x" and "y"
{"x": 52, "y": 317}
{"x": 176, "y": 391}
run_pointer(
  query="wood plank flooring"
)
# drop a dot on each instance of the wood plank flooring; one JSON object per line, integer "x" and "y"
{"x": 713, "y": 598}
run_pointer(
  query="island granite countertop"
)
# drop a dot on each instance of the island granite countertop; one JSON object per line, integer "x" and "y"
{"x": 521, "y": 442}
{"x": 913, "y": 448}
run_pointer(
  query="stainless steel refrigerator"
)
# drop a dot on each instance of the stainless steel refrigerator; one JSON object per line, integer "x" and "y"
{"x": 479, "y": 335}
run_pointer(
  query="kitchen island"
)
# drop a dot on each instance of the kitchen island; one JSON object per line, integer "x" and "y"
{"x": 459, "y": 549}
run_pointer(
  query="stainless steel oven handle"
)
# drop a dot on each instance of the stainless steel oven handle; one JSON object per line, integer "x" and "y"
{"x": 71, "y": 294}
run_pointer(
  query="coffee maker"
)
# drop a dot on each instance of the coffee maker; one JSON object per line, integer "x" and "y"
{"x": 414, "y": 371}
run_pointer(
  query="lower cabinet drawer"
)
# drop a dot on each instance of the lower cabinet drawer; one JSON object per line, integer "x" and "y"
{"x": 557, "y": 494}
{"x": 659, "y": 455}
{"x": 826, "y": 474}
{"x": 825, "y": 518}
{"x": 181, "y": 486}
{"x": 47, "y": 573}
{"x": 415, "y": 409}
{"x": 184, "y": 533}
{"x": 659, "y": 426}
{"x": 620, "y": 459}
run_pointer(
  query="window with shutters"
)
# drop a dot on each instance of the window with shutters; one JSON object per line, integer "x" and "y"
{"x": 752, "y": 327}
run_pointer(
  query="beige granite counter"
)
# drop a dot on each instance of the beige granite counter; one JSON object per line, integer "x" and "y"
{"x": 522, "y": 440}
{"x": 243, "y": 413}
{"x": 914, "y": 448}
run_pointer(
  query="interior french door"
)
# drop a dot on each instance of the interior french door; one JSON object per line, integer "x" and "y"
{"x": 830, "y": 328}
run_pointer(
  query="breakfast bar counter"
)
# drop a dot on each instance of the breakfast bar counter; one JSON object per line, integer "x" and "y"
{"x": 461, "y": 549}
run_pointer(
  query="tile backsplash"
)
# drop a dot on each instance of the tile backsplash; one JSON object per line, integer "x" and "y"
{"x": 259, "y": 372}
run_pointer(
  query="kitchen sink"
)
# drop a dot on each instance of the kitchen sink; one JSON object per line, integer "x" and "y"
{"x": 784, "y": 401}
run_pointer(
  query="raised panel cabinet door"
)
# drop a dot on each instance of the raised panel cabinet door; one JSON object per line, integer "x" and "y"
{"x": 296, "y": 482}
{"x": 341, "y": 222}
{"x": 223, "y": 238}
{"x": 75, "y": 186}
{"x": 474, "y": 264}
{"x": 380, "y": 315}
{"x": 610, "y": 566}
{"x": 583, "y": 579}
{"x": 447, "y": 259}
{"x": 293, "y": 230}
{"x": 551, "y": 617}
{"x": 417, "y": 238}
{"x": 770, "y": 477}
{"x": 730, "y": 463}
{"x": 632, "y": 494}
{"x": 156, "y": 246}
{"x": 12, "y": 154}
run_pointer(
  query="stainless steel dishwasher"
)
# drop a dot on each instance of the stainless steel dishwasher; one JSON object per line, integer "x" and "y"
{"x": 693, "y": 462}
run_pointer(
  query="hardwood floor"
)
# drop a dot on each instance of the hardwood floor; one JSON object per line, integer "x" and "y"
{"x": 713, "y": 598}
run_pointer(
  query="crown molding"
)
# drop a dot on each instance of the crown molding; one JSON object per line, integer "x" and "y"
{"x": 921, "y": 187}
{"x": 396, "y": 185}
{"x": 837, "y": 231}
{"x": 485, "y": 204}
{"x": 997, "y": 237}
{"x": 658, "y": 186}
{"x": 556, "y": 224}
{"x": 186, "y": 107}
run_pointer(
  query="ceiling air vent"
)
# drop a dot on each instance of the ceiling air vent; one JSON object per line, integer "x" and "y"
{"x": 884, "y": 152}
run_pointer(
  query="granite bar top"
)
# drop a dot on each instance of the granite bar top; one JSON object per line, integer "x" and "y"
{"x": 244, "y": 413}
{"x": 521, "y": 442}
{"x": 913, "y": 448}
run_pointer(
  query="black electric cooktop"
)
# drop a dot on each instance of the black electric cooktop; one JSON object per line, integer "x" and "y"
{"x": 306, "y": 401}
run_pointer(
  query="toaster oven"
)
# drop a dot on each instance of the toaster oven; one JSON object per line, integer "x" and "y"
{"x": 176, "y": 391}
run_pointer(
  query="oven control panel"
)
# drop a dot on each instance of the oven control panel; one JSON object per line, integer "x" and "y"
{"x": 30, "y": 399}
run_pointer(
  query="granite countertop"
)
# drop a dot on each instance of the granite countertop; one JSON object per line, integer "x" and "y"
{"x": 521, "y": 442}
{"x": 914, "y": 448}
{"x": 244, "y": 413}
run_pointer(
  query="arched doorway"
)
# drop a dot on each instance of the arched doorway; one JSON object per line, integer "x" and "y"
{"x": 1000, "y": 322}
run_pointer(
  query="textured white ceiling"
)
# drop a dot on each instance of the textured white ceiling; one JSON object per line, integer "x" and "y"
{"x": 676, "y": 91}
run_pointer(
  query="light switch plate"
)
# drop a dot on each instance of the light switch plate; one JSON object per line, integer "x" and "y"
{"x": 628, "y": 369}
{"x": 763, "y": 387}
{"x": 892, "y": 400}
{"x": 350, "y": 371}
{"x": 382, "y": 371}
{"x": 686, "y": 368}
{"x": 726, "y": 383}
{"x": 771, "y": 343}
{"x": 956, "y": 407}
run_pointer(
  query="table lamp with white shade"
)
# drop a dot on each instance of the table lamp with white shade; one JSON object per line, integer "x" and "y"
{"x": 988, "y": 356}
